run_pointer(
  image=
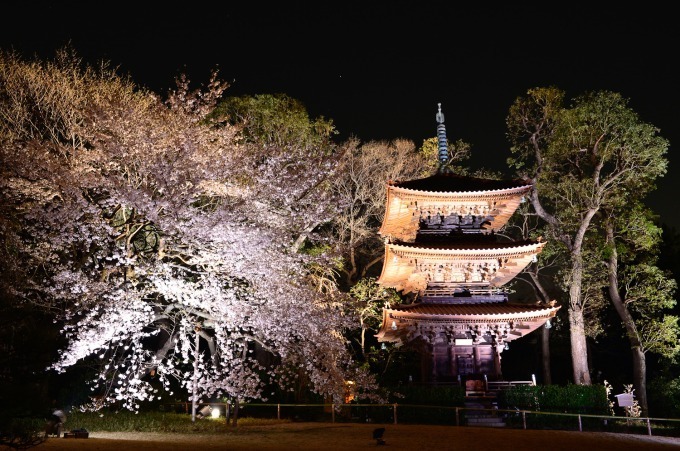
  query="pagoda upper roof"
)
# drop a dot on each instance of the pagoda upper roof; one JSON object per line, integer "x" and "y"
{"x": 451, "y": 183}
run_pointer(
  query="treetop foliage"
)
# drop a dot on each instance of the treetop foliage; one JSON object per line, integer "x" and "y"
{"x": 276, "y": 120}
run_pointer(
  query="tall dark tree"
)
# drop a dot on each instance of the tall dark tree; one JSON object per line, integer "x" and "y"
{"x": 582, "y": 158}
{"x": 641, "y": 293}
{"x": 538, "y": 275}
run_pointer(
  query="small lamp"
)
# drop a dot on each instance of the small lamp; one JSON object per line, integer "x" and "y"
{"x": 394, "y": 325}
{"x": 548, "y": 324}
{"x": 506, "y": 347}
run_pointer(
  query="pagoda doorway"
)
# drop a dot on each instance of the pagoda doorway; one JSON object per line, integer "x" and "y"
{"x": 465, "y": 364}
{"x": 442, "y": 362}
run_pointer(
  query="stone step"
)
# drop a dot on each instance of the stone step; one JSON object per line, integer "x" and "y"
{"x": 484, "y": 421}
{"x": 482, "y": 412}
{"x": 488, "y": 405}
{"x": 479, "y": 405}
{"x": 487, "y": 425}
{"x": 480, "y": 419}
{"x": 476, "y": 412}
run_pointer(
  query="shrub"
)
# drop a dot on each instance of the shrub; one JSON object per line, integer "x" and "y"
{"x": 22, "y": 433}
{"x": 126, "y": 421}
{"x": 577, "y": 399}
{"x": 418, "y": 404}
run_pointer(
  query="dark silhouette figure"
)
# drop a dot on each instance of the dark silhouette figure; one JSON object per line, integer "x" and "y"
{"x": 378, "y": 436}
{"x": 55, "y": 423}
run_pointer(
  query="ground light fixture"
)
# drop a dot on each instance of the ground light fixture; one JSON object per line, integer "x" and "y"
{"x": 215, "y": 412}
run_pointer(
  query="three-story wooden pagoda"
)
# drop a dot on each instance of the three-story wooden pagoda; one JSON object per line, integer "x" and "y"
{"x": 442, "y": 254}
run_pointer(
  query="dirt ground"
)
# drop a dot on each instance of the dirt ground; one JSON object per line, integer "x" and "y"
{"x": 329, "y": 436}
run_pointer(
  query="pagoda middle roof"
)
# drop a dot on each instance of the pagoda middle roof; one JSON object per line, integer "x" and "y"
{"x": 446, "y": 182}
{"x": 466, "y": 245}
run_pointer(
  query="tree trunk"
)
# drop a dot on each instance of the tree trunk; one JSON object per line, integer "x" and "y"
{"x": 579, "y": 349}
{"x": 194, "y": 381}
{"x": 545, "y": 356}
{"x": 640, "y": 378}
{"x": 234, "y": 420}
{"x": 545, "y": 333}
{"x": 638, "y": 355}
{"x": 352, "y": 270}
{"x": 577, "y": 331}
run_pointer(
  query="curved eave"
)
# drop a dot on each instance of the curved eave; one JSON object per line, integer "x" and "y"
{"x": 472, "y": 312}
{"x": 401, "y": 221}
{"x": 456, "y": 250}
{"x": 398, "y": 324}
{"x": 400, "y": 266}
{"x": 459, "y": 195}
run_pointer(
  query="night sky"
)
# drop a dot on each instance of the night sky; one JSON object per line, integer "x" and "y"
{"x": 378, "y": 69}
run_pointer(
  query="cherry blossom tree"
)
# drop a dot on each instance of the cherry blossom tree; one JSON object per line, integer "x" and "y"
{"x": 166, "y": 245}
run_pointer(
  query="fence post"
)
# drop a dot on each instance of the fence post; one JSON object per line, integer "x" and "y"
{"x": 524, "y": 418}
{"x": 278, "y": 411}
{"x": 457, "y": 417}
{"x": 394, "y": 408}
{"x": 649, "y": 427}
{"x": 580, "y": 426}
{"x": 332, "y": 413}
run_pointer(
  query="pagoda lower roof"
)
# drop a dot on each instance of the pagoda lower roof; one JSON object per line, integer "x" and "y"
{"x": 504, "y": 322}
{"x": 445, "y": 182}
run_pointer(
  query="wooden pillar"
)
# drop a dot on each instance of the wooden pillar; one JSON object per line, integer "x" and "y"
{"x": 452, "y": 358}
{"x": 497, "y": 362}
{"x": 433, "y": 359}
{"x": 454, "y": 362}
{"x": 475, "y": 359}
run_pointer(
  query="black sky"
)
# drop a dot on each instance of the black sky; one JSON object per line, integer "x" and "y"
{"x": 378, "y": 69}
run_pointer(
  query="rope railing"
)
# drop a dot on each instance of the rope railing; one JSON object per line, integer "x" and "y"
{"x": 391, "y": 412}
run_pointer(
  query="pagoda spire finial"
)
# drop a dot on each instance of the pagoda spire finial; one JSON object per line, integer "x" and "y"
{"x": 443, "y": 153}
